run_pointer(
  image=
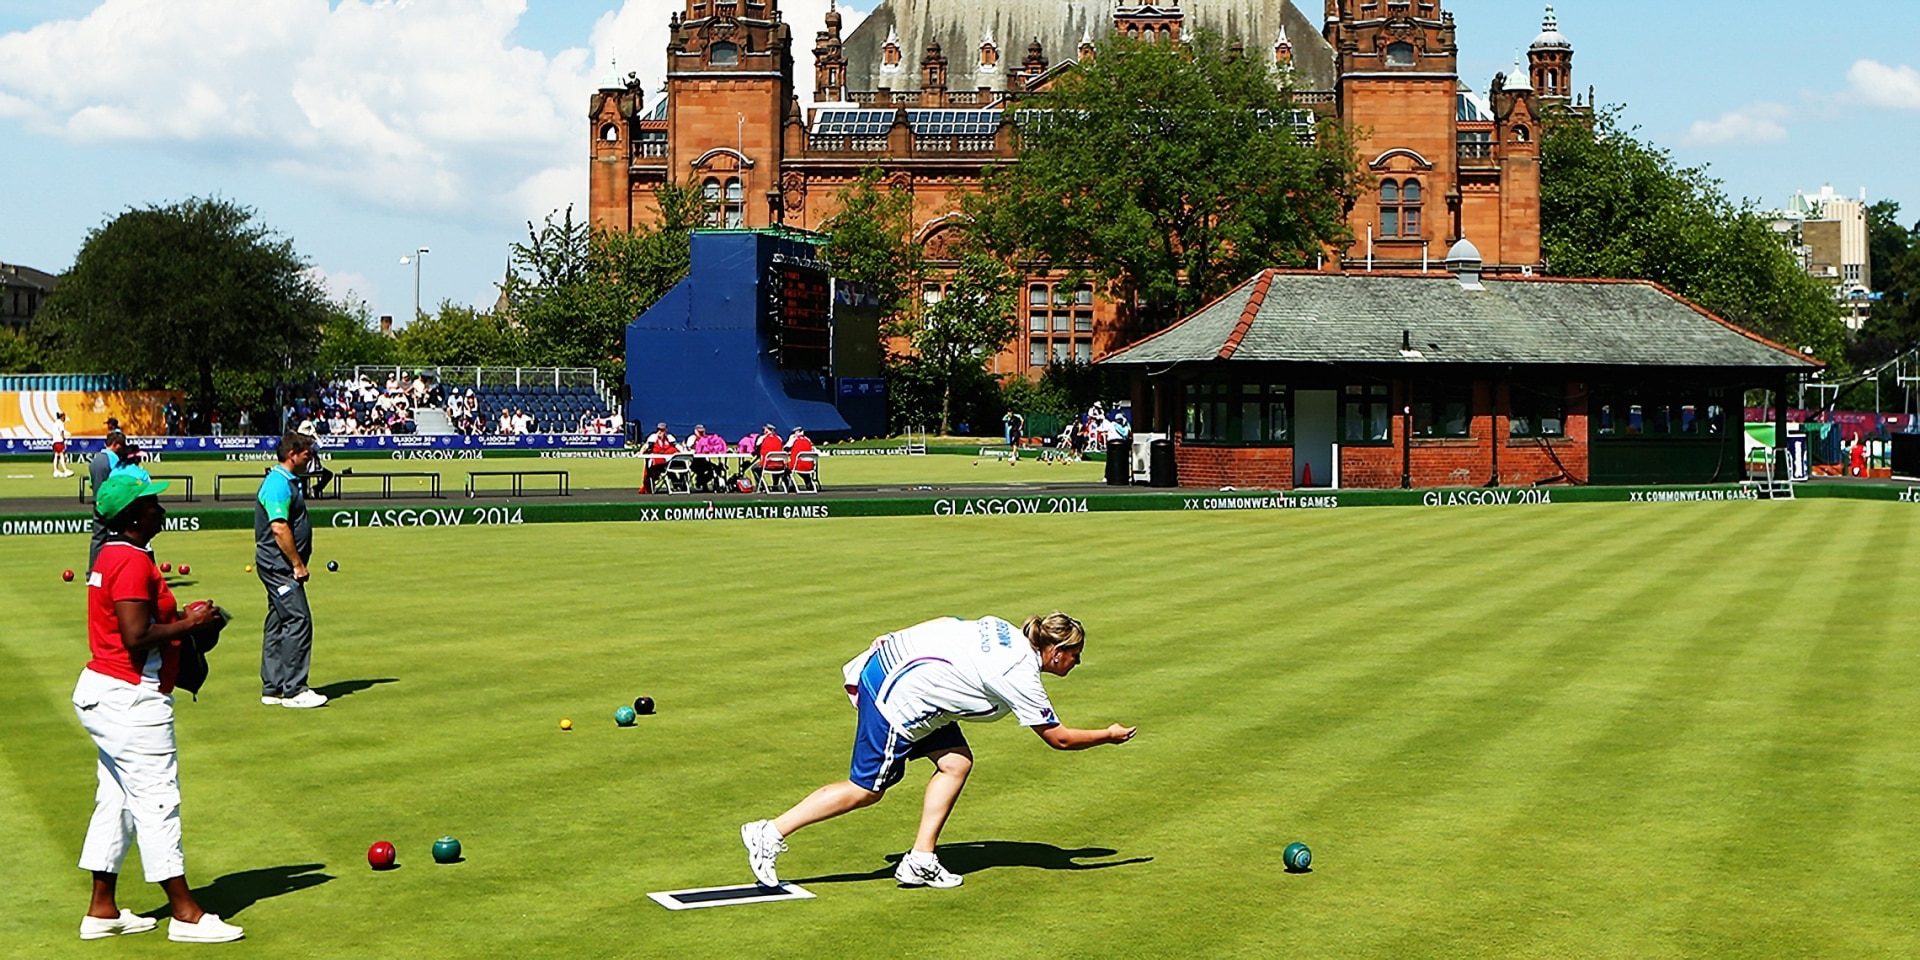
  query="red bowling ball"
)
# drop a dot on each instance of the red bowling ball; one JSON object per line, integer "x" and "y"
{"x": 381, "y": 856}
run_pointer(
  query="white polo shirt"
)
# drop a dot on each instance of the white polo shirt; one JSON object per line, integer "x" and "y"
{"x": 952, "y": 669}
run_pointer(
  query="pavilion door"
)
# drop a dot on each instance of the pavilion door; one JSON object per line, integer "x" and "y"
{"x": 1316, "y": 426}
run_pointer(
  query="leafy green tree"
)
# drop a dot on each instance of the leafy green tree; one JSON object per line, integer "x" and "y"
{"x": 1614, "y": 206}
{"x": 574, "y": 289}
{"x": 19, "y": 354}
{"x": 173, "y": 296}
{"x": 460, "y": 336}
{"x": 1894, "y": 261}
{"x": 1170, "y": 172}
{"x": 972, "y": 321}
{"x": 350, "y": 337}
{"x": 871, "y": 241}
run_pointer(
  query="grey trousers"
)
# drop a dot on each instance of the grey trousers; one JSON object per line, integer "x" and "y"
{"x": 286, "y": 645}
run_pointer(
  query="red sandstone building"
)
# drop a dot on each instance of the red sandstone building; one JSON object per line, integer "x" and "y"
{"x": 923, "y": 89}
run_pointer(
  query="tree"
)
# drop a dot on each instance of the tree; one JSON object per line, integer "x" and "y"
{"x": 1894, "y": 261}
{"x": 18, "y": 354}
{"x": 1613, "y": 206}
{"x": 1170, "y": 172}
{"x": 349, "y": 337}
{"x": 971, "y": 321}
{"x": 173, "y": 296}
{"x": 574, "y": 289}
{"x": 460, "y": 336}
{"x": 871, "y": 241}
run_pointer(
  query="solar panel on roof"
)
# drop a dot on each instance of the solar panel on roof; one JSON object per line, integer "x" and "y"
{"x": 852, "y": 123}
{"x": 954, "y": 123}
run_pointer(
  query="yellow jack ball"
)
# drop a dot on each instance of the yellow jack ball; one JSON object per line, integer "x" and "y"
{"x": 566, "y": 724}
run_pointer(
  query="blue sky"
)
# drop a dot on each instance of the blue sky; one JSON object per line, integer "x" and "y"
{"x": 363, "y": 129}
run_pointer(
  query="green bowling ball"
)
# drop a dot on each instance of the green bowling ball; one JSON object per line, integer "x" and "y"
{"x": 624, "y": 716}
{"x": 446, "y": 850}
{"x": 1297, "y": 857}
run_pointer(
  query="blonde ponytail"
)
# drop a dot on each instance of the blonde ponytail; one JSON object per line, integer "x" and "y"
{"x": 1055, "y": 630}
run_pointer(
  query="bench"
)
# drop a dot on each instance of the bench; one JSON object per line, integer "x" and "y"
{"x": 430, "y": 478}
{"x": 182, "y": 489}
{"x": 517, "y": 481}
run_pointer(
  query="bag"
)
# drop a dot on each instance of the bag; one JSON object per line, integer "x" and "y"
{"x": 743, "y": 484}
{"x": 192, "y": 674}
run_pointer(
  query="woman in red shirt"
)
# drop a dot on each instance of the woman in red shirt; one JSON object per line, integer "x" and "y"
{"x": 124, "y": 699}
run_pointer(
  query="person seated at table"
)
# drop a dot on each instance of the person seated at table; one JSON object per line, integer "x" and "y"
{"x": 798, "y": 444}
{"x": 769, "y": 442}
{"x": 660, "y": 446}
{"x": 707, "y": 473}
{"x": 749, "y": 449}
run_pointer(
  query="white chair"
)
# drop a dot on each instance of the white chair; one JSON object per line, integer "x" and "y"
{"x": 806, "y": 466}
{"x": 775, "y": 473}
{"x": 678, "y": 475}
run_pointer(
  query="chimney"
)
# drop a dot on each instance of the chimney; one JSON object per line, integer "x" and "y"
{"x": 1464, "y": 262}
{"x": 386, "y": 325}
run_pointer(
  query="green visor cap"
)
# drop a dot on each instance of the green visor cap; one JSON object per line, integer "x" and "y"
{"x": 121, "y": 491}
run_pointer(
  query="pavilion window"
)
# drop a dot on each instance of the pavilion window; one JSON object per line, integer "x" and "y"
{"x": 1538, "y": 410}
{"x": 1368, "y": 414}
{"x": 1442, "y": 410}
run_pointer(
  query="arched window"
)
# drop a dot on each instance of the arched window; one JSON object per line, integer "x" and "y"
{"x": 1400, "y": 55}
{"x": 732, "y": 212}
{"x": 710, "y": 192}
{"x": 1553, "y": 81}
{"x": 723, "y": 54}
{"x": 1522, "y": 134}
{"x": 610, "y": 133}
{"x": 1400, "y": 209}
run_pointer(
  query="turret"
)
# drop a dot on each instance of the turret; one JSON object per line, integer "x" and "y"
{"x": 1550, "y": 61}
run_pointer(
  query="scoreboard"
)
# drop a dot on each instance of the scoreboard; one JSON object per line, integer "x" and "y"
{"x": 800, "y": 312}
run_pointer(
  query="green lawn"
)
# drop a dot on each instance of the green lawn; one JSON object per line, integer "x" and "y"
{"x": 1582, "y": 731}
{"x": 34, "y": 478}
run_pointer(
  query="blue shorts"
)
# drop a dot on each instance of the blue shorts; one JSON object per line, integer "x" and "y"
{"x": 880, "y": 753}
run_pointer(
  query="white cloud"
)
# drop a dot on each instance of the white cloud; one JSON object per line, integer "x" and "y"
{"x": 418, "y": 106}
{"x": 343, "y": 285}
{"x": 1754, "y": 123}
{"x": 1884, "y": 86}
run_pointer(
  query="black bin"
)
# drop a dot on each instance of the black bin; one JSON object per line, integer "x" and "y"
{"x": 1906, "y": 455}
{"x": 1119, "y": 462}
{"x": 1160, "y": 472}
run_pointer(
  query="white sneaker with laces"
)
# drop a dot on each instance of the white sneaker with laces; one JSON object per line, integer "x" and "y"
{"x": 128, "y": 922}
{"x": 267, "y": 701}
{"x": 210, "y": 929}
{"x": 924, "y": 870}
{"x": 304, "y": 700}
{"x": 764, "y": 846}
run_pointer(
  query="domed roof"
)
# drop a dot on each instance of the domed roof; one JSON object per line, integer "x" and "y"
{"x": 1550, "y": 37}
{"x": 1464, "y": 252}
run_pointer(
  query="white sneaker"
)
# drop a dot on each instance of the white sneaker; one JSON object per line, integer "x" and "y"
{"x": 924, "y": 870}
{"x": 210, "y": 929}
{"x": 304, "y": 700}
{"x": 764, "y": 846}
{"x": 128, "y": 922}
{"x": 270, "y": 701}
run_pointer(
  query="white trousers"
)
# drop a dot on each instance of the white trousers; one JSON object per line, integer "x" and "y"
{"x": 139, "y": 793}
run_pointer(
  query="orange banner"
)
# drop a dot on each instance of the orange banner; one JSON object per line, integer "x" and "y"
{"x": 29, "y": 414}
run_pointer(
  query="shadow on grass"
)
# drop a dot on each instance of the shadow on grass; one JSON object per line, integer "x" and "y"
{"x": 967, "y": 858}
{"x": 347, "y": 688}
{"x": 230, "y": 894}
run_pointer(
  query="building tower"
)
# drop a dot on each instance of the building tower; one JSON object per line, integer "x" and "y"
{"x": 829, "y": 61}
{"x": 1550, "y": 62}
{"x": 1149, "y": 23}
{"x": 729, "y": 94}
{"x": 1397, "y": 90}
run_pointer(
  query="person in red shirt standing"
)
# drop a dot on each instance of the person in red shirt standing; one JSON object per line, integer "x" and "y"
{"x": 124, "y": 699}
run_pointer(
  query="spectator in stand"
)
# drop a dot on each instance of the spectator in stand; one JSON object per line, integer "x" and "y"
{"x": 214, "y": 422}
{"x": 246, "y": 423}
{"x": 506, "y": 422}
{"x": 522, "y": 424}
{"x": 660, "y": 446}
{"x": 707, "y": 473}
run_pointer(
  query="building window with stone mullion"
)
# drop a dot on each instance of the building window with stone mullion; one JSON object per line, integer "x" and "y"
{"x": 1400, "y": 209}
{"x": 1059, "y": 324}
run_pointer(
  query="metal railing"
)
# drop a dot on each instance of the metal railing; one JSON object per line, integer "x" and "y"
{"x": 500, "y": 377}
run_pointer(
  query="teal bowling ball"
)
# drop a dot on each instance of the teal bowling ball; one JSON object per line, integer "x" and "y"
{"x": 446, "y": 850}
{"x": 1297, "y": 857}
{"x": 624, "y": 716}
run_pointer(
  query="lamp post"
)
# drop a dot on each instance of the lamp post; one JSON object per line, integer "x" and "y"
{"x": 414, "y": 258}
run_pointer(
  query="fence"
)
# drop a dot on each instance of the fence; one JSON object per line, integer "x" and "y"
{"x": 498, "y": 377}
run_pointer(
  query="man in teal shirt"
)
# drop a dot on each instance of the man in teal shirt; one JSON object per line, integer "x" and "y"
{"x": 283, "y": 541}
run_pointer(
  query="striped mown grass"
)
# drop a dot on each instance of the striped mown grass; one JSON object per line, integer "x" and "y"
{"x": 1620, "y": 730}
